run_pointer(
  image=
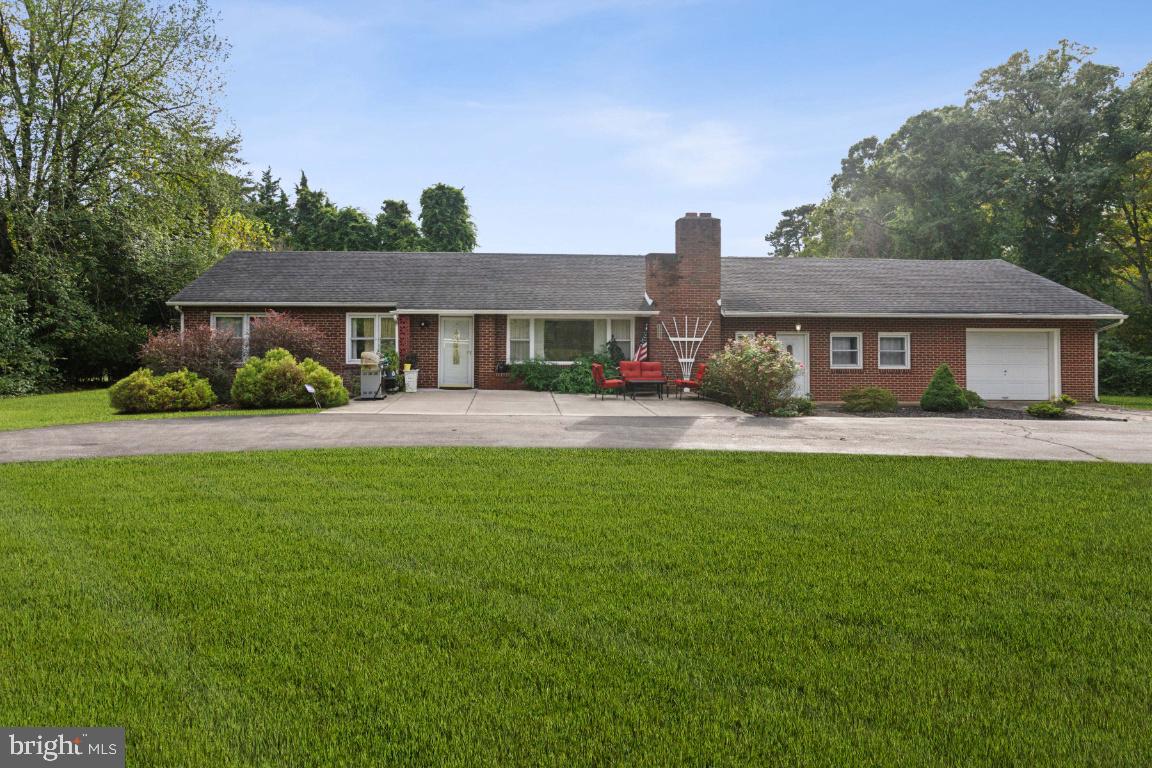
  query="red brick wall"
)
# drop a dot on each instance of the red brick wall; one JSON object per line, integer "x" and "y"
{"x": 686, "y": 283}
{"x": 425, "y": 341}
{"x": 933, "y": 341}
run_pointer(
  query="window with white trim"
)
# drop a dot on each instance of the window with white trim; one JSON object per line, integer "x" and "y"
{"x": 240, "y": 325}
{"x": 370, "y": 333}
{"x": 745, "y": 334}
{"x": 894, "y": 350}
{"x": 846, "y": 350}
{"x": 563, "y": 339}
{"x": 519, "y": 339}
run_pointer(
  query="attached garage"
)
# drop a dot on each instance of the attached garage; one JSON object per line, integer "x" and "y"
{"x": 1013, "y": 364}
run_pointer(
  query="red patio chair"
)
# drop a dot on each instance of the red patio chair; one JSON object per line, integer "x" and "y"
{"x": 603, "y": 384}
{"x": 692, "y": 383}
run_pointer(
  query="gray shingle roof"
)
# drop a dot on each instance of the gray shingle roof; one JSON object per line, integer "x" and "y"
{"x": 428, "y": 281}
{"x": 895, "y": 286}
{"x": 604, "y": 283}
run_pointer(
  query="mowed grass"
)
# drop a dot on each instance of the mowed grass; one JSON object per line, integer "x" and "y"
{"x": 546, "y": 607}
{"x": 1143, "y": 402}
{"x": 90, "y": 405}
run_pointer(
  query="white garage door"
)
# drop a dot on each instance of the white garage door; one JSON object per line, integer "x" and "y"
{"x": 1005, "y": 365}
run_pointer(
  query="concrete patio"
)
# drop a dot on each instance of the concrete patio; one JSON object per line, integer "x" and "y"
{"x": 487, "y": 402}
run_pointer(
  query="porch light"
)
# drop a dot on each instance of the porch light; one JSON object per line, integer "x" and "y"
{"x": 797, "y": 326}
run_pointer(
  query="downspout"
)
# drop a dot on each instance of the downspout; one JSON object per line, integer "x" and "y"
{"x": 181, "y": 311}
{"x": 1096, "y": 357}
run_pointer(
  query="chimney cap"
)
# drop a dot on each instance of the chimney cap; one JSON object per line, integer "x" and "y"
{"x": 705, "y": 215}
{"x": 690, "y": 215}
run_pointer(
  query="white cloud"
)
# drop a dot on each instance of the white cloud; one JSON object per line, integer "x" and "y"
{"x": 703, "y": 153}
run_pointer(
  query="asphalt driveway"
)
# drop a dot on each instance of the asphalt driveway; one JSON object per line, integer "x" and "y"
{"x": 581, "y": 422}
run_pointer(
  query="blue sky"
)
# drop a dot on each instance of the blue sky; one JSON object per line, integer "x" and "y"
{"x": 590, "y": 126}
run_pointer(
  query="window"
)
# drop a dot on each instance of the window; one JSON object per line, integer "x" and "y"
{"x": 519, "y": 339}
{"x": 846, "y": 350}
{"x": 239, "y": 324}
{"x": 621, "y": 330}
{"x": 894, "y": 350}
{"x": 370, "y": 333}
{"x": 745, "y": 334}
{"x": 563, "y": 339}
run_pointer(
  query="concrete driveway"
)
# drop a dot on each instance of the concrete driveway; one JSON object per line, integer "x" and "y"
{"x": 541, "y": 420}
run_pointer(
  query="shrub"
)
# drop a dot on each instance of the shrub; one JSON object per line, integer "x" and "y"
{"x": 1045, "y": 410}
{"x": 803, "y": 405}
{"x": 281, "y": 330}
{"x": 943, "y": 393}
{"x": 575, "y": 378}
{"x": 1066, "y": 400}
{"x": 869, "y": 400}
{"x": 1124, "y": 372}
{"x": 276, "y": 380}
{"x": 974, "y": 400}
{"x": 755, "y": 374}
{"x": 207, "y": 353}
{"x": 145, "y": 392}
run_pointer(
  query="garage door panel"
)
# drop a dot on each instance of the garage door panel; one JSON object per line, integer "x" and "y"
{"x": 1009, "y": 366}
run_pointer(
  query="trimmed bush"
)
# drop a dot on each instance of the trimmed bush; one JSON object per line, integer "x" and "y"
{"x": 207, "y": 353}
{"x": 1045, "y": 410}
{"x": 276, "y": 380}
{"x": 755, "y": 374}
{"x": 974, "y": 400}
{"x": 1066, "y": 400}
{"x": 868, "y": 400}
{"x": 145, "y": 392}
{"x": 281, "y": 330}
{"x": 943, "y": 393}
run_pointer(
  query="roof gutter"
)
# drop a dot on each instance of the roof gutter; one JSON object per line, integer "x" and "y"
{"x": 937, "y": 315}
{"x": 534, "y": 312}
{"x": 269, "y": 304}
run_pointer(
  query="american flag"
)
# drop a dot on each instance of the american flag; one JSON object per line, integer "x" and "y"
{"x": 642, "y": 347}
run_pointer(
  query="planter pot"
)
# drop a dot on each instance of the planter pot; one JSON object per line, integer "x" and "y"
{"x": 410, "y": 377}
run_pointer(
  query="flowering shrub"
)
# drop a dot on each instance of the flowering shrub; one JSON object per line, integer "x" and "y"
{"x": 276, "y": 380}
{"x": 755, "y": 374}
{"x": 280, "y": 330}
{"x": 144, "y": 392}
{"x": 207, "y": 353}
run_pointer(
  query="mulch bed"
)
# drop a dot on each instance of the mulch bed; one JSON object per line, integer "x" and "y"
{"x": 911, "y": 411}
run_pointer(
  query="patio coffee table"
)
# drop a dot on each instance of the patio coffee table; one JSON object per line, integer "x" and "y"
{"x": 654, "y": 385}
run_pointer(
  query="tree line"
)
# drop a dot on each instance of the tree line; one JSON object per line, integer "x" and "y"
{"x": 117, "y": 186}
{"x": 1047, "y": 164}
{"x": 314, "y": 223}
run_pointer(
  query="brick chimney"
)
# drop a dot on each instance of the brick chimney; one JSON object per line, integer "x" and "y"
{"x": 686, "y": 283}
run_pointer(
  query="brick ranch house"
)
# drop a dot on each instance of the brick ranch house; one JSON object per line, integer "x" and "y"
{"x": 1006, "y": 332}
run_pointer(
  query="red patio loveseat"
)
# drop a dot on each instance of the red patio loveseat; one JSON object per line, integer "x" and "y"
{"x": 640, "y": 374}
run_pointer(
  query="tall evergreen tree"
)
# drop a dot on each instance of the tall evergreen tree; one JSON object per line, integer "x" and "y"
{"x": 445, "y": 220}
{"x": 270, "y": 205}
{"x": 395, "y": 229}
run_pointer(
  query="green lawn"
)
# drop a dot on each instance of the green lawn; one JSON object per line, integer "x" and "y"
{"x": 545, "y": 607}
{"x": 1144, "y": 402}
{"x": 92, "y": 405}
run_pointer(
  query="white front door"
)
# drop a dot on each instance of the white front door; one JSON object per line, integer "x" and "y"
{"x": 797, "y": 346}
{"x": 455, "y": 351}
